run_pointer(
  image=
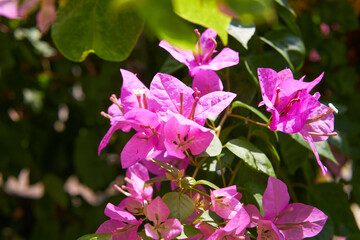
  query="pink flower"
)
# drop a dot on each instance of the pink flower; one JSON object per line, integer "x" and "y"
{"x": 170, "y": 94}
{"x": 46, "y": 15}
{"x": 293, "y": 109}
{"x": 282, "y": 220}
{"x": 122, "y": 224}
{"x": 180, "y": 134}
{"x": 225, "y": 202}
{"x": 138, "y": 195}
{"x": 201, "y": 57}
{"x": 164, "y": 228}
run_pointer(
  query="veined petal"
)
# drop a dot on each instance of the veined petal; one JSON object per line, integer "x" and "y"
{"x": 207, "y": 81}
{"x": 301, "y": 221}
{"x": 310, "y": 140}
{"x": 170, "y": 229}
{"x": 226, "y": 58}
{"x": 136, "y": 149}
{"x": 130, "y": 84}
{"x": 275, "y": 198}
{"x": 212, "y": 104}
{"x": 157, "y": 211}
{"x": 165, "y": 90}
{"x": 183, "y": 56}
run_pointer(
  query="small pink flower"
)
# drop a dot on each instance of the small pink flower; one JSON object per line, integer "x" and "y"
{"x": 201, "y": 57}
{"x": 282, "y": 220}
{"x": 164, "y": 228}
{"x": 122, "y": 224}
{"x": 293, "y": 109}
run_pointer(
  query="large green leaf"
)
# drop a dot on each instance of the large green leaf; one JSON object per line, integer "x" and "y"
{"x": 180, "y": 205}
{"x": 290, "y": 46}
{"x": 159, "y": 15}
{"x": 241, "y": 33}
{"x": 252, "y": 11}
{"x": 251, "y": 155}
{"x": 106, "y": 28}
{"x": 204, "y": 13}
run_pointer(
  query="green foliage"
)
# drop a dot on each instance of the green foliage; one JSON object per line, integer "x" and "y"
{"x": 180, "y": 205}
{"x": 98, "y": 236}
{"x": 251, "y": 155}
{"x": 90, "y": 26}
{"x": 204, "y": 13}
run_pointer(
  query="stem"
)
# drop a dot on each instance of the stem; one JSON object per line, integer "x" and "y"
{"x": 198, "y": 166}
{"x": 190, "y": 158}
{"x": 199, "y": 191}
{"x": 222, "y": 121}
{"x": 249, "y": 120}
{"x": 235, "y": 172}
{"x": 221, "y": 170}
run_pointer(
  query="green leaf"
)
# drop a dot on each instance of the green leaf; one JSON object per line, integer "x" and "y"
{"x": 171, "y": 65}
{"x": 286, "y": 5}
{"x": 207, "y": 183}
{"x": 96, "y": 236}
{"x": 214, "y": 148}
{"x": 253, "y": 11}
{"x": 180, "y": 205}
{"x": 204, "y": 13}
{"x": 251, "y": 155}
{"x": 333, "y": 201}
{"x": 322, "y": 148}
{"x": 252, "y": 109}
{"x": 290, "y": 46}
{"x": 168, "y": 167}
{"x": 188, "y": 231}
{"x": 293, "y": 153}
{"x": 210, "y": 218}
{"x": 240, "y": 32}
{"x": 159, "y": 15}
{"x": 288, "y": 15}
{"x": 107, "y": 28}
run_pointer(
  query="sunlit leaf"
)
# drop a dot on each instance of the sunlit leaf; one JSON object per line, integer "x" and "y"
{"x": 251, "y": 155}
{"x": 290, "y": 46}
{"x": 180, "y": 205}
{"x": 159, "y": 15}
{"x": 105, "y": 28}
{"x": 204, "y": 13}
{"x": 241, "y": 33}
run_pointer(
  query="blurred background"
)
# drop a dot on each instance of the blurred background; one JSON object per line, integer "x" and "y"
{"x": 53, "y": 184}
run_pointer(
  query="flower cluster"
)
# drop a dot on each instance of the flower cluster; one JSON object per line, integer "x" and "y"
{"x": 294, "y": 109}
{"x": 169, "y": 119}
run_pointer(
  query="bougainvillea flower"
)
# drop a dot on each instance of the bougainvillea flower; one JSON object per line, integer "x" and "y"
{"x": 136, "y": 176}
{"x": 180, "y": 134}
{"x": 164, "y": 228}
{"x": 122, "y": 224}
{"x": 207, "y": 81}
{"x": 293, "y": 109}
{"x": 282, "y": 220}
{"x": 9, "y": 9}
{"x": 234, "y": 228}
{"x": 170, "y": 94}
{"x": 46, "y": 15}
{"x": 201, "y": 57}
{"x": 225, "y": 202}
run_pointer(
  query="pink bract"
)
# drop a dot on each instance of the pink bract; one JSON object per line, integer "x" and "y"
{"x": 201, "y": 57}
